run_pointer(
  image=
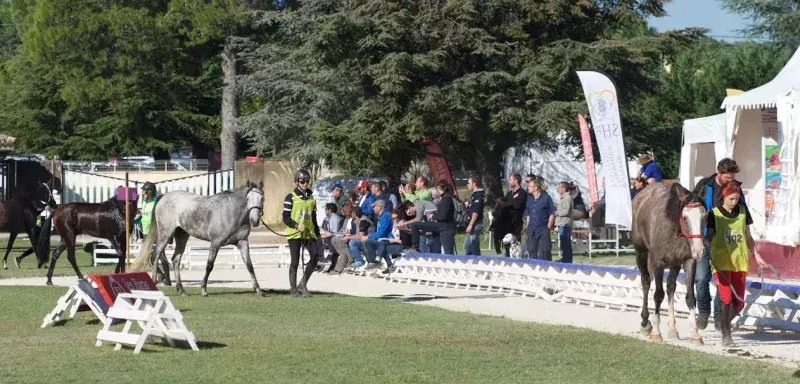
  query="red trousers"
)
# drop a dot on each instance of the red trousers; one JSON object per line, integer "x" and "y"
{"x": 729, "y": 282}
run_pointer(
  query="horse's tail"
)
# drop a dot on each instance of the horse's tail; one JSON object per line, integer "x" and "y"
{"x": 142, "y": 261}
{"x": 43, "y": 242}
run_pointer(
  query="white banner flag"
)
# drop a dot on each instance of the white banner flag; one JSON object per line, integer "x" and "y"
{"x": 601, "y": 95}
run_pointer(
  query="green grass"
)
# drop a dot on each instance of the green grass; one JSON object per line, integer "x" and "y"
{"x": 63, "y": 268}
{"x": 339, "y": 339}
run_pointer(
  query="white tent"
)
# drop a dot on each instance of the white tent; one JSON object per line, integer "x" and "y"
{"x": 704, "y": 145}
{"x": 752, "y": 122}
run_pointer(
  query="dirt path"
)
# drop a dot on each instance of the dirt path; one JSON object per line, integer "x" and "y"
{"x": 771, "y": 346}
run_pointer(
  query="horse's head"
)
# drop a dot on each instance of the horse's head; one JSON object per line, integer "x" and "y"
{"x": 43, "y": 197}
{"x": 686, "y": 210}
{"x": 255, "y": 201}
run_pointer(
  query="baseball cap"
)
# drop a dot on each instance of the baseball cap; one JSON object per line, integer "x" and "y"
{"x": 362, "y": 184}
{"x": 379, "y": 203}
{"x": 337, "y": 186}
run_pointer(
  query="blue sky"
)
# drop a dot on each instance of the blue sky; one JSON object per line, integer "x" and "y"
{"x": 701, "y": 13}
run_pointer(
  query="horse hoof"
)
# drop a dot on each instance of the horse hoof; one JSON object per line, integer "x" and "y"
{"x": 261, "y": 292}
{"x": 698, "y": 341}
{"x": 647, "y": 329}
{"x": 673, "y": 335}
{"x": 204, "y": 293}
{"x": 655, "y": 337}
{"x": 294, "y": 294}
{"x": 48, "y": 282}
{"x": 16, "y": 262}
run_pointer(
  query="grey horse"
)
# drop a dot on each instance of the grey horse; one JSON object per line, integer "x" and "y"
{"x": 222, "y": 219}
{"x": 667, "y": 233}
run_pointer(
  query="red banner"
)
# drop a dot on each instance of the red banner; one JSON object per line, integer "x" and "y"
{"x": 438, "y": 164}
{"x": 113, "y": 284}
{"x": 588, "y": 157}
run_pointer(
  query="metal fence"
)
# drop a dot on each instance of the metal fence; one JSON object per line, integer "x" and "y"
{"x": 138, "y": 166}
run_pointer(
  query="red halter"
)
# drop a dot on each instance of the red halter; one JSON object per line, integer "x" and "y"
{"x": 684, "y": 233}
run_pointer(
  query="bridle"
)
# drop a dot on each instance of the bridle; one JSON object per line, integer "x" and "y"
{"x": 260, "y": 209}
{"x": 684, "y": 232}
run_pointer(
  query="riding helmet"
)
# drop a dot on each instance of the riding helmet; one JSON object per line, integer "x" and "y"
{"x": 148, "y": 186}
{"x": 302, "y": 175}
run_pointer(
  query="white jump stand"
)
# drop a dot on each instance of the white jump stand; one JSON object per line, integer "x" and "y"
{"x": 154, "y": 314}
{"x": 78, "y": 294}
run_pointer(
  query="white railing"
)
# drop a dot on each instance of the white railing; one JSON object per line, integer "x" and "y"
{"x": 774, "y": 306}
{"x": 94, "y": 188}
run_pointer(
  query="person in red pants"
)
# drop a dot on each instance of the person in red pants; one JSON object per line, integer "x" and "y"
{"x": 731, "y": 244}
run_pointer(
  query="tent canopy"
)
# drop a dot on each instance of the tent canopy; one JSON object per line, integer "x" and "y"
{"x": 704, "y": 144}
{"x": 766, "y": 95}
{"x": 704, "y": 130}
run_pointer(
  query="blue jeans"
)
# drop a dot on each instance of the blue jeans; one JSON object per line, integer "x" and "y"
{"x": 389, "y": 250}
{"x": 538, "y": 245}
{"x": 355, "y": 251}
{"x": 425, "y": 242}
{"x": 565, "y": 243}
{"x": 472, "y": 243}
{"x": 374, "y": 248}
{"x": 444, "y": 243}
{"x": 702, "y": 277}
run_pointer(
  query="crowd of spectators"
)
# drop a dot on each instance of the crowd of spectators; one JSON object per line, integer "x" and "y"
{"x": 371, "y": 226}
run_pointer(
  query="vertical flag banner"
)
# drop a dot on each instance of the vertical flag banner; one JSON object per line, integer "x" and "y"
{"x": 437, "y": 163}
{"x": 588, "y": 157}
{"x": 601, "y": 96}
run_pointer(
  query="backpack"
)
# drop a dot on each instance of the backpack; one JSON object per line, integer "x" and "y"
{"x": 460, "y": 213}
{"x": 579, "y": 211}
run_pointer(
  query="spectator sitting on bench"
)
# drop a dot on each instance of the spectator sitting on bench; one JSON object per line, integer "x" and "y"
{"x": 421, "y": 211}
{"x": 332, "y": 224}
{"x": 374, "y": 243}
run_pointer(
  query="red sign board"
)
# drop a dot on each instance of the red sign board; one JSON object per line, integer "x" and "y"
{"x": 588, "y": 157}
{"x": 113, "y": 284}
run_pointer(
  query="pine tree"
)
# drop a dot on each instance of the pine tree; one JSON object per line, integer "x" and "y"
{"x": 370, "y": 78}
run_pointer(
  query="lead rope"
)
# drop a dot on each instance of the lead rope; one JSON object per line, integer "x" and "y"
{"x": 760, "y": 274}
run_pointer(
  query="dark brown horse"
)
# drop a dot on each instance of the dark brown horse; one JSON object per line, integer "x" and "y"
{"x": 104, "y": 220}
{"x": 18, "y": 215}
{"x": 667, "y": 234}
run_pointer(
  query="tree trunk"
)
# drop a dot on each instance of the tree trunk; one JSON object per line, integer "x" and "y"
{"x": 229, "y": 138}
{"x": 488, "y": 162}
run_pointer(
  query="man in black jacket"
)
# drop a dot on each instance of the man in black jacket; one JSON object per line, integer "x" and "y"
{"x": 726, "y": 173}
{"x": 514, "y": 205}
{"x": 442, "y": 223}
{"x": 472, "y": 242}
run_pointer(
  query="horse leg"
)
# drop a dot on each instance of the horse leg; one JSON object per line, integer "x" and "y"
{"x": 658, "y": 298}
{"x": 18, "y": 259}
{"x": 180, "y": 247}
{"x": 71, "y": 257}
{"x": 689, "y": 268}
{"x": 121, "y": 253}
{"x": 672, "y": 333}
{"x": 644, "y": 276}
{"x": 212, "y": 256}
{"x": 161, "y": 245}
{"x": 10, "y": 244}
{"x": 244, "y": 249}
{"x": 56, "y": 254}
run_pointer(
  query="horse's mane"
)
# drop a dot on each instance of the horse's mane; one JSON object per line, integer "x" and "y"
{"x": 678, "y": 198}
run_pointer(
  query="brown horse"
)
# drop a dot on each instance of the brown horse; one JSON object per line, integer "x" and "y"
{"x": 18, "y": 215}
{"x": 667, "y": 233}
{"x": 104, "y": 220}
